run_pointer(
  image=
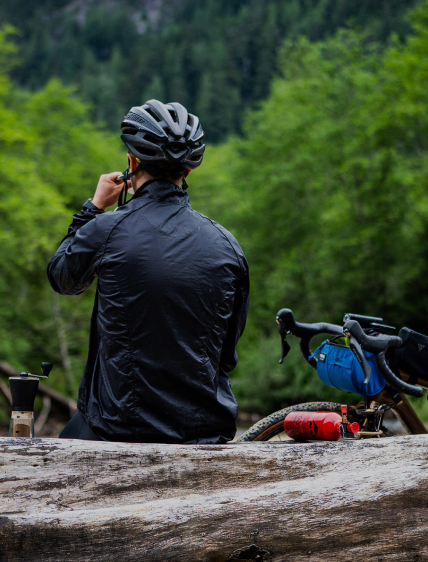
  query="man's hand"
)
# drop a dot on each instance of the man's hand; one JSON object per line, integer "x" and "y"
{"x": 108, "y": 191}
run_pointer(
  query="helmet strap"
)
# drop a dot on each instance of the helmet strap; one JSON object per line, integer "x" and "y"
{"x": 184, "y": 184}
{"x": 127, "y": 176}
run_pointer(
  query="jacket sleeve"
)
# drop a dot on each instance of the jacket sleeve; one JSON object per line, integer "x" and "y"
{"x": 229, "y": 357}
{"x": 74, "y": 266}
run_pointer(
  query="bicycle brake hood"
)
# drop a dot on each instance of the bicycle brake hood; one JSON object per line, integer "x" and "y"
{"x": 285, "y": 346}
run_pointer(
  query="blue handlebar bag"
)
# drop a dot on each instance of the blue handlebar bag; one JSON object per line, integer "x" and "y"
{"x": 338, "y": 367}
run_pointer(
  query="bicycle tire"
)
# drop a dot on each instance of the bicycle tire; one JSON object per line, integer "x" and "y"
{"x": 273, "y": 424}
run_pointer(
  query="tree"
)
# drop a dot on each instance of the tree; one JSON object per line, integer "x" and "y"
{"x": 179, "y": 43}
{"x": 51, "y": 154}
{"x": 327, "y": 195}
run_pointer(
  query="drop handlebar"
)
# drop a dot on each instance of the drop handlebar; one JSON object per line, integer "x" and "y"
{"x": 358, "y": 339}
{"x": 378, "y": 345}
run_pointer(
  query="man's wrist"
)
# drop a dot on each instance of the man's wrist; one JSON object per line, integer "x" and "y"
{"x": 89, "y": 206}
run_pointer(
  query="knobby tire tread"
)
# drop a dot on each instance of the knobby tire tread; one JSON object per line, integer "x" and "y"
{"x": 270, "y": 426}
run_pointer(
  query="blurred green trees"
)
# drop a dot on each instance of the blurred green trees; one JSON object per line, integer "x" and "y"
{"x": 216, "y": 57}
{"x": 326, "y": 192}
{"x": 51, "y": 157}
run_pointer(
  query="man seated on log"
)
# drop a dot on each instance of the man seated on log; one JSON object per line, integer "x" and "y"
{"x": 172, "y": 294}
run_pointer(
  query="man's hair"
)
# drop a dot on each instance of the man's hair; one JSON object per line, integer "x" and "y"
{"x": 165, "y": 170}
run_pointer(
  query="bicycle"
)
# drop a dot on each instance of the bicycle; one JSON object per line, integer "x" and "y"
{"x": 363, "y": 333}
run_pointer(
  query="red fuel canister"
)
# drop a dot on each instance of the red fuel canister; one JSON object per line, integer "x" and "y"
{"x": 325, "y": 426}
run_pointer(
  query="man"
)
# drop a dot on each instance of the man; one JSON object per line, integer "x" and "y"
{"x": 172, "y": 296}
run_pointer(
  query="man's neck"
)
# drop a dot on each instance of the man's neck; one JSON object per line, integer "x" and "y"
{"x": 143, "y": 176}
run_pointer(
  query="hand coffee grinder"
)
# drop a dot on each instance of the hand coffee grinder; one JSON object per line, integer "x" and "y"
{"x": 23, "y": 390}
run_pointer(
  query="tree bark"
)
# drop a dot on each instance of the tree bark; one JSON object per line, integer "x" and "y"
{"x": 103, "y": 501}
{"x": 62, "y": 338}
{"x": 43, "y": 416}
{"x": 4, "y": 389}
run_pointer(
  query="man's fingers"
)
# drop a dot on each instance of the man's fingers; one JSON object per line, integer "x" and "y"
{"x": 111, "y": 177}
{"x": 117, "y": 182}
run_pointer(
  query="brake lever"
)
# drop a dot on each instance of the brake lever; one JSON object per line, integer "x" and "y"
{"x": 285, "y": 346}
{"x": 358, "y": 352}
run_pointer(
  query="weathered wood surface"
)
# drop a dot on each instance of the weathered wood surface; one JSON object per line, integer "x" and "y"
{"x": 77, "y": 500}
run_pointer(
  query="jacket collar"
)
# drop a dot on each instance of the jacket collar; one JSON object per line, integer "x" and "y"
{"x": 163, "y": 191}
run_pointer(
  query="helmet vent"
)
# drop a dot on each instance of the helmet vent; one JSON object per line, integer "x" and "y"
{"x": 144, "y": 151}
{"x": 150, "y": 138}
{"x": 152, "y": 113}
{"x": 164, "y": 133}
{"x": 129, "y": 130}
{"x": 199, "y": 131}
{"x": 138, "y": 119}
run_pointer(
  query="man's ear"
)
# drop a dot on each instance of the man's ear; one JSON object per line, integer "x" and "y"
{"x": 133, "y": 164}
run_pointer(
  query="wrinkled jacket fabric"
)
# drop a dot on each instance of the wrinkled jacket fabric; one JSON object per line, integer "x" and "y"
{"x": 172, "y": 300}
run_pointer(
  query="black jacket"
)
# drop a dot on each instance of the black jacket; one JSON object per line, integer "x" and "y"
{"x": 172, "y": 300}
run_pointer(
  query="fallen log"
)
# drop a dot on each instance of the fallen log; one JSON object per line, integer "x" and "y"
{"x": 103, "y": 501}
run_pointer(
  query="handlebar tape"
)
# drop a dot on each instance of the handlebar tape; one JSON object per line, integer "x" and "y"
{"x": 375, "y": 345}
{"x": 372, "y": 344}
{"x": 394, "y": 381}
{"x": 356, "y": 350}
{"x": 378, "y": 346}
{"x": 306, "y": 332}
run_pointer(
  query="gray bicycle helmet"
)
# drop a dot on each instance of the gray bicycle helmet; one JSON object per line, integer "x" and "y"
{"x": 159, "y": 134}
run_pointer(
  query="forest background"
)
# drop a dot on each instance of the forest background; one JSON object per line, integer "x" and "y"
{"x": 316, "y": 125}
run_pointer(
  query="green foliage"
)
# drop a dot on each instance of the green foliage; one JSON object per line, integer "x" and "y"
{"x": 71, "y": 151}
{"x": 326, "y": 190}
{"x": 264, "y": 386}
{"x": 327, "y": 194}
{"x": 216, "y": 57}
{"x": 51, "y": 156}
